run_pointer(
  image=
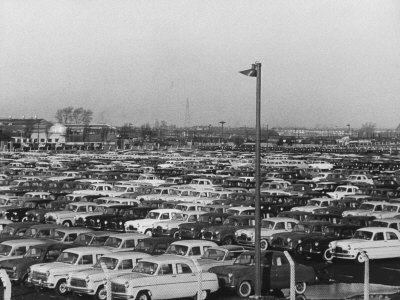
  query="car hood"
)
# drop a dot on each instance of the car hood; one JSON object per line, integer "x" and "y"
{"x": 225, "y": 270}
{"x": 121, "y": 279}
{"x": 355, "y": 243}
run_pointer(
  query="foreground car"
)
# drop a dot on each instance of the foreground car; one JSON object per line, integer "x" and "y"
{"x": 158, "y": 278}
{"x": 377, "y": 242}
{"x": 275, "y": 268}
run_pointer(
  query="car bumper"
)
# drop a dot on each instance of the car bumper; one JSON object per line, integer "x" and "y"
{"x": 81, "y": 290}
{"x": 41, "y": 283}
{"x": 121, "y": 296}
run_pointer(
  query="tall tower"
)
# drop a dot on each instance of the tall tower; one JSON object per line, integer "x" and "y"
{"x": 187, "y": 114}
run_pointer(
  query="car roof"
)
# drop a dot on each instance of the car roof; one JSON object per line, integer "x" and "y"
{"x": 194, "y": 242}
{"x": 377, "y": 229}
{"x": 123, "y": 255}
{"x": 85, "y": 250}
{"x": 159, "y": 259}
{"x": 23, "y": 242}
{"x": 129, "y": 235}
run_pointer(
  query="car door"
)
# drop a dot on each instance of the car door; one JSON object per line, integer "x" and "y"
{"x": 392, "y": 245}
{"x": 280, "y": 271}
{"x": 165, "y": 283}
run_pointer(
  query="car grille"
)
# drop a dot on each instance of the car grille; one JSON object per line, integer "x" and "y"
{"x": 132, "y": 228}
{"x": 186, "y": 233}
{"x": 243, "y": 238}
{"x": 340, "y": 250}
{"x": 78, "y": 282}
{"x": 207, "y": 235}
{"x": 50, "y": 219}
{"x": 39, "y": 276}
{"x": 308, "y": 247}
{"x": 278, "y": 242}
{"x": 113, "y": 225}
{"x": 117, "y": 288}
{"x": 80, "y": 222}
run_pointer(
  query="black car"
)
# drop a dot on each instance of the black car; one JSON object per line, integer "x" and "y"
{"x": 317, "y": 246}
{"x": 133, "y": 213}
{"x": 194, "y": 230}
{"x": 154, "y": 245}
{"x": 17, "y": 214}
{"x": 99, "y": 222}
{"x": 15, "y": 230}
{"x": 18, "y": 269}
{"x": 37, "y": 215}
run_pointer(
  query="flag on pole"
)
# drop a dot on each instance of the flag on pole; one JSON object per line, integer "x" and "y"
{"x": 249, "y": 72}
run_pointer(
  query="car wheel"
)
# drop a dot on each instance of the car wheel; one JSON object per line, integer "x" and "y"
{"x": 67, "y": 223}
{"x": 148, "y": 232}
{"x": 203, "y": 295}
{"x": 143, "y": 296}
{"x": 24, "y": 219}
{"x": 244, "y": 289}
{"x": 263, "y": 244}
{"x": 61, "y": 287}
{"x": 25, "y": 282}
{"x": 176, "y": 235}
{"x": 101, "y": 293}
{"x": 300, "y": 287}
{"x": 328, "y": 256}
{"x": 227, "y": 241}
{"x": 360, "y": 259}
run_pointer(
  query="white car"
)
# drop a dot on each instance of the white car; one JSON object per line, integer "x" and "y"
{"x": 376, "y": 242}
{"x": 123, "y": 241}
{"x": 91, "y": 281}
{"x": 390, "y": 210}
{"x": 313, "y": 204}
{"x": 367, "y": 208}
{"x": 342, "y": 191}
{"x": 269, "y": 226}
{"x": 68, "y": 217}
{"x": 159, "y": 276}
{"x": 14, "y": 249}
{"x": 154, "y": 216}
{"x": 101, "y": 189}
{"x": 54, "y": 275}
{"x": 189, "y": 248}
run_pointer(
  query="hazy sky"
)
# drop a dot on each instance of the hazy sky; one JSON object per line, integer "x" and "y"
{"x": 324, "y": 62}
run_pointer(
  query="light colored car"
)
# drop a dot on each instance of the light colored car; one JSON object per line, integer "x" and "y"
{"x": 54, "y": 275}
{"x": 190, "y": 248}
{"x": 14, "y": 249}
{"x": 367, "y": 208}
{"x": 123, "y": 241}
{"x": 269, "y": 226}
{"x": 342, "y": 191}
{"x": 101, "y": 189}
{"x": 68, "y": 217}
{"x": 359, "y": 178}
{"x": 68, "y": 234}
{"x": 390, "y": 210}
{"x": 154, "y": 216}
{"x": 377, "y": 242}
{"x": 313, "y": 204}
{"x": 91, "y": 281}
{"x": 159, "y": 276}
{"x": 219, "y": 256}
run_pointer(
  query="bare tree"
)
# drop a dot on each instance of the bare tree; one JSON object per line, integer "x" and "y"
{"x": 367, "y": 130}
{"x": 64, "y": 115}
{"x": 70, "y": 115}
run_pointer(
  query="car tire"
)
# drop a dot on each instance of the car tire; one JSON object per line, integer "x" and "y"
{"x": 143, "y": 296}
{"x": 61, "y": 287}
{"x": 360, "y": 259}
{"x": 328, "y": 256}
{"x": 244, "y": 289}
{"x": 227, "y": 241}
{"x": 300, "y": 287}
{"x": 67, "y": 224}
{"x": 203, "y": 296}
{"x": 148, "y": 232}
{"x": 264, "y": 245}
{"x": 101, "y": 293}
{"x": 176, "y": 235}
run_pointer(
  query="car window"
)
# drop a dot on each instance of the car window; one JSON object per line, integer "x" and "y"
{"x": 126, "y": 265}
{"x": 20, "y": 250}
{"x": 183, "y": 269}
{"x": 165, "y": 269}
{"x": 164, "y": 216}
{"x": 391, "y": 236}
{"x": 52, "y": 255}
{"x": 379, "y": 236}
{"x": 394, "y": 226}
{"x": 280, "y": 225}
{"x": 129, "y": 244}
{"x": 81, "y": 209}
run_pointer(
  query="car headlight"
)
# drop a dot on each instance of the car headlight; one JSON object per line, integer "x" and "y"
{"x": 348, "y": 247}
{"x": 126, "y": 284}
{"x": 87, "y": 279}
{"x": 120, "y": 223}
{"x": 48, "y": 273}
{"x": 299, "y": 241}
{"x": 98, "y": 220}
{"x": 316, "y": 244}
{"x": 14, "y": 268}
{"x": 200, "y": 230}
{"x": 289, "y": 239}
{"x": 26, "y": 213}
{"x": 56, "y": 217}
{"x": 192, "y": 229}
{"x": 106, "y": 222}
{"x": 37, "y": 214}
{"x": 230, "y": 277}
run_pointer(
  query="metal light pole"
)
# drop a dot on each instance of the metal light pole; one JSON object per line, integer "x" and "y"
{"x": 255, "y": 71}
{"x": 222, "y": 137}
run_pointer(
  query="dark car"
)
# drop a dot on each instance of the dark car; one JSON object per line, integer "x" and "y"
{"x": 133, "y": 213}
{"x": 93, "y": 238}
{"x": 18, "y": 269}
{"x": 194, "y": 230}
{"x": 275, "y": 270}
{"x": 317, "y": 246}
{"x": 99, "y": 222}
{"x": 225, "y": 234}
{"x": 37, "y": 215}
{"x": 15, "y": 230}
{"x": 292, "y": 241}
{"x": 17, "y": 214}
{"x": 154, "y": 245}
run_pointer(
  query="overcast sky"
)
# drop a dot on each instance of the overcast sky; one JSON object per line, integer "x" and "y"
{"x": 324, "y": 63}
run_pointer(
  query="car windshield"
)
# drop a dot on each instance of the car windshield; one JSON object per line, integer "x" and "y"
{"x": 379, "y": 224}
{"x": 68, "y": 258}
{"x": 244, "y": 259}
{"x": 390, "y": 208}
{"x": 178, "y": 216}
{"x": 57, "y": 235}
{"x": 341, "y": 189}
{"x": 177, "y": 249}
{"x": 332, "y": 231}
{"x": 267, "y": 224}
{"x": 99, "y": 240}
{"x": 302, "y": 228}
{"x": 314, "y": 203}
{"x": 8, "y": 230}
{"x": 145, "y": 267}
{"x": 109, "y": 262}
{"x": 367, "y": 206}
{"x": 364, "y": 235}
{"x": 72, "y": 207}
{"x": 152, "y": 215}
{"x": 113, "y": 242}
{"x": 119, "y": 188}
{"x": 5, "y": 250}
{"x": 29, "y": 205}
{"x": 34, "y": 253}
{"x": 214, "y": 254}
